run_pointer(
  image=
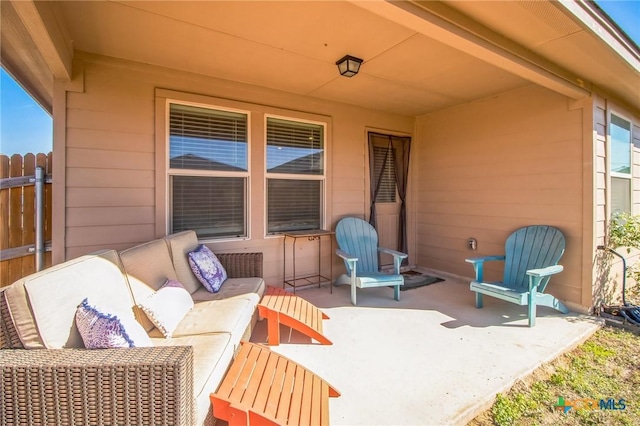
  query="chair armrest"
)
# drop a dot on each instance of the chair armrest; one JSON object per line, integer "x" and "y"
{"x": 100, "y": 386}
{"x": 351, "y": 263}
{"x": 242, "y": 265}
{"x": 475, "y": 260}
{"x": 536, "y": 276}
{"x": 346, "y": 256}
{"x": 478, "y": 264}
{"x": 397, "y": 258}
{"x": 545, "y": 272}
{"x": 393, "y": 253}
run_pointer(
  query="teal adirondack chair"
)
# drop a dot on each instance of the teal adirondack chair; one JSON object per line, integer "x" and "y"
{"x": 358, "y": 246}
{"x": 531, "y": 256}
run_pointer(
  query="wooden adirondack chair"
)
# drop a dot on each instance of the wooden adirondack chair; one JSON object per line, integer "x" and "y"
{"x": 531, "y": 257}
{"x": 358, "y": 246}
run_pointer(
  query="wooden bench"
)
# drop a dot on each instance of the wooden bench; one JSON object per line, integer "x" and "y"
{"x": 281, "y": 307}
{"x": 265, "y": 388}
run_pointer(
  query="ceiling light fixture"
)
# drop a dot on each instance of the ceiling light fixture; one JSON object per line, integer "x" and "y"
{"x": 349, "y": 65}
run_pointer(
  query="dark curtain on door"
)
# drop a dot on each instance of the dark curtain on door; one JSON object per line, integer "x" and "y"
{"x": 398, "y": 148}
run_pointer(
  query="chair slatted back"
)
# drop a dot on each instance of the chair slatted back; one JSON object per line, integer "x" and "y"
{"x": 359, "y": 239}
{"x": 528, "y": 248}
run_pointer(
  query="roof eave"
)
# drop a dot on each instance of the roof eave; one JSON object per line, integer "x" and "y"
{"x": 35, "y": 47}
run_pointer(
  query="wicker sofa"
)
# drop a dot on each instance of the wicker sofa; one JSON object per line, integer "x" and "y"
{"x": 48, "y": 377}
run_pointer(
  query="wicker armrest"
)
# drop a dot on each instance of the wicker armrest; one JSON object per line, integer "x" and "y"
{"x": 143, "y": 386}
{"x": 241, "y": 265}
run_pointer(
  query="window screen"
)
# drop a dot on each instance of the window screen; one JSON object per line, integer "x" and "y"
{"x": 387, "y": 192}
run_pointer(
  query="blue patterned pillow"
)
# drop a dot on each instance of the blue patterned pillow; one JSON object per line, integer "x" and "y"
{"x": 100, "y": 330}
{"x": 207, "y": 268}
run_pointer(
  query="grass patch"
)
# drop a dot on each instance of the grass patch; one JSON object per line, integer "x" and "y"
{"x": 605, "y": 367}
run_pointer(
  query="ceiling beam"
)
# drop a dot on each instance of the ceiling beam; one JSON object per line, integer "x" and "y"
{"x": 22, "y": 60}
{"x": 42, "y": 23}
{"x": 442, "y": 23}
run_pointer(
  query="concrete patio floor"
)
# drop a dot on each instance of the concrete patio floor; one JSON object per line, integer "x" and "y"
{"x": 430, "y": 359}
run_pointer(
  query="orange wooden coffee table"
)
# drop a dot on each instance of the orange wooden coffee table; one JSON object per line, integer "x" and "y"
{"x": 265, "y": 388}
{"x": 281, "y": 307}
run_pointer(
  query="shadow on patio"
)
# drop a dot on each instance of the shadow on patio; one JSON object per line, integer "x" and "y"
{"x": 430, "y": 359}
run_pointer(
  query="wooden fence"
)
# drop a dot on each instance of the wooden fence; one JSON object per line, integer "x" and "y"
{"x": 17, "y": 216}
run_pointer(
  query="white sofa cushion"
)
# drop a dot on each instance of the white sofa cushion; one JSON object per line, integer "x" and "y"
{"x": 22, "y": 317}
{"x": 55, "y": 293}
{"x": 180, "y": 244}
{"x": 212, "y": 355}
{"x": 231, "y": 316}
{"x": 147, "y": 267}
{"x": 233, "y": 287}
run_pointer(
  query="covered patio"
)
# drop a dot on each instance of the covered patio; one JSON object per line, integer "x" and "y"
{"x": 431, "y": 358}
{"x": 509, "y": 122}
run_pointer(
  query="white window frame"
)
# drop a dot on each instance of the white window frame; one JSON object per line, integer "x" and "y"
{"x": 169, "y": 172}
{"x": 618, "y": 175}
{"x": 322, "y": 178}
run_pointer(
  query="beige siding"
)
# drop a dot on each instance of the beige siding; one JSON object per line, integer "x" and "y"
{"x": 600, "y": 136}
{"x": 489, "y": 167}
{"x": 112, "y": 162}
{"x": 608, "y": 271}
{"x": 114, "y": 178}
{"x": 107, "y": 216}
{"x": 601, "y": 199}
{"x": 635, "y": 135}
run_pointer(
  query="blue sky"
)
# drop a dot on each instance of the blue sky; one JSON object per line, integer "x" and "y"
{"x": 26, "y": 127}
{"x": 626, "y": 13}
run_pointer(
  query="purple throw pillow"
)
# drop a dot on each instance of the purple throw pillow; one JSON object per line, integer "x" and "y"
{"x": 207, "y": 268}
{"x": 101, "y": 330}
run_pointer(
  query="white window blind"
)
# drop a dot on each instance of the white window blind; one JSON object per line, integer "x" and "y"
{"x": 620, "y": 195}
{"x": 387, "y": 191}
{"x": 207, "y": 139}
{"x": 294, "y": 147}
{"x": 295, "y": 175}
{"x": 213, "y": 206}
{"x": 208, "y": 171}
{"x": 293, "y": 204}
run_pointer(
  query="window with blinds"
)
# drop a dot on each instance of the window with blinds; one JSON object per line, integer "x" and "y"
{"x": 383, "y": 167}
{"x": 208, "y": 171}
{"x": 295, "y": 175}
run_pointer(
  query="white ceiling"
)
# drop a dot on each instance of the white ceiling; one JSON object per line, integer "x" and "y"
{"x": 290, "y": 46}
{"x": 419, "y": 56}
